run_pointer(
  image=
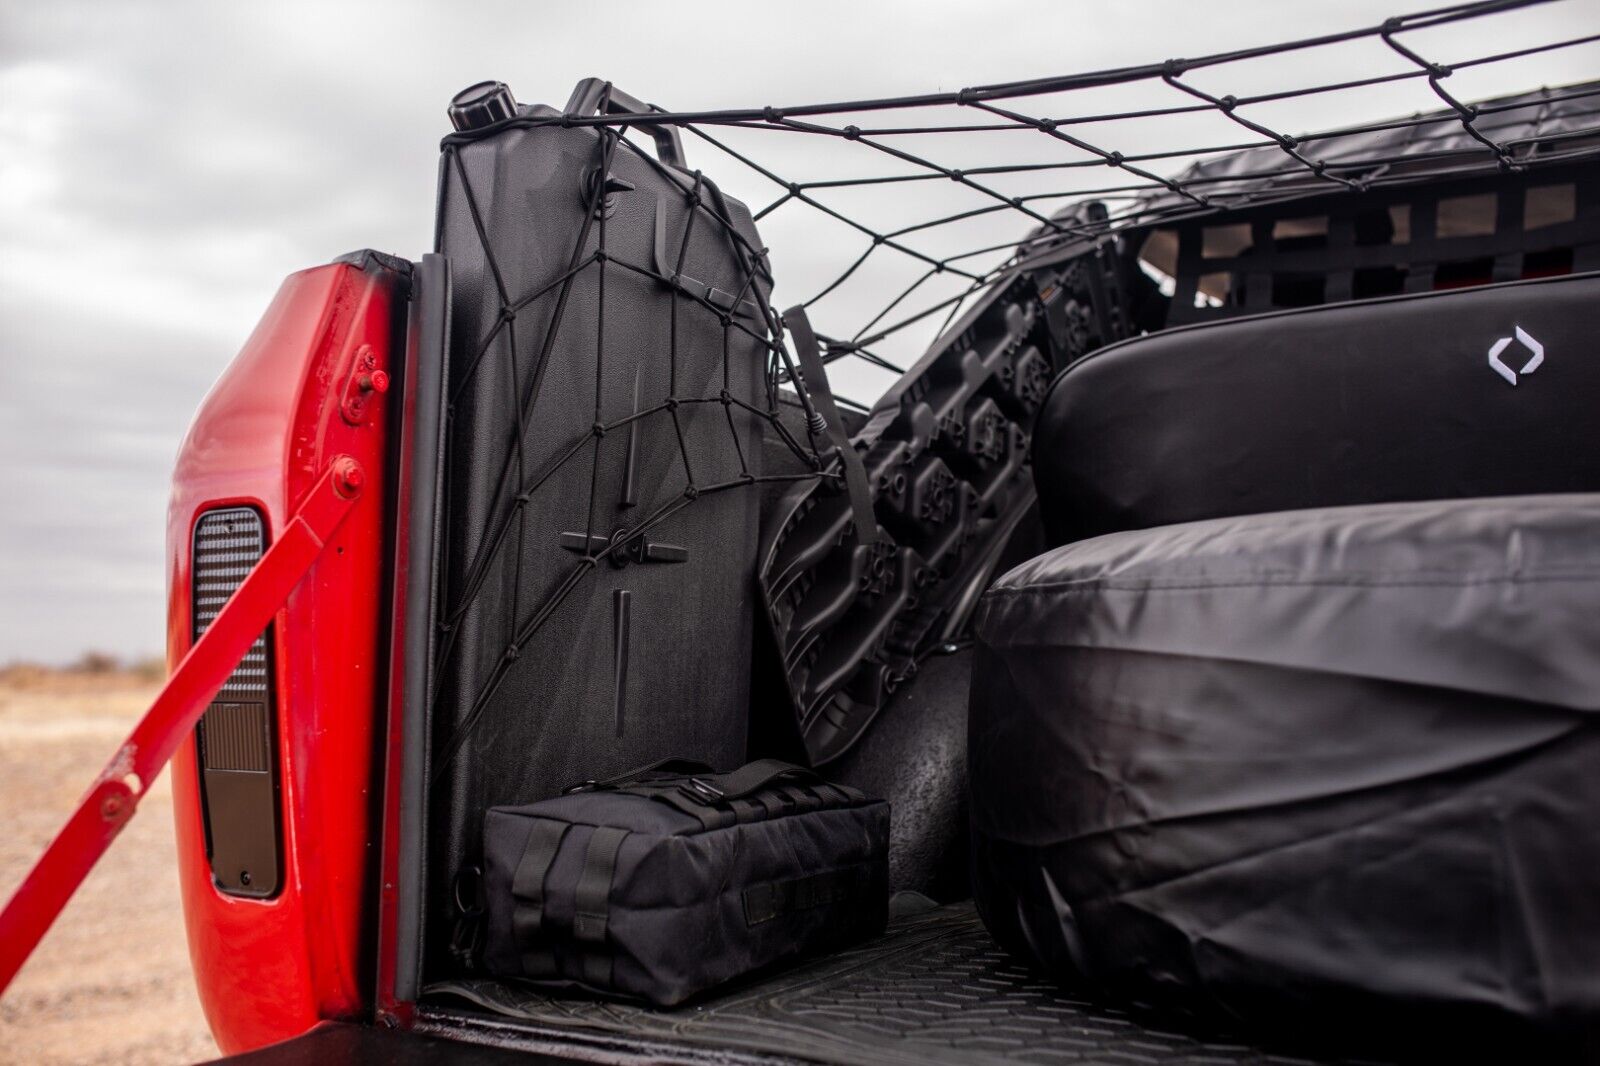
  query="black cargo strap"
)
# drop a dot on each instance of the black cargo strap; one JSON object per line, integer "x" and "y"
{"x": 593, "y": 899}
{"x": 816, "y": 386}
{"x": 763, "y": 903}
{"x": 527, "y": 886}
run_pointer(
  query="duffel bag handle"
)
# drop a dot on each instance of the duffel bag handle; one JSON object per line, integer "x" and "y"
{"x": 747, "y": 780}
{"x": 591, "y": 94}
{"x": 672, "y": 764}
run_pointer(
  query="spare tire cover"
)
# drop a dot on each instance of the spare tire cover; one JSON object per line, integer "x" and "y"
{"x": 1324, "y": 767}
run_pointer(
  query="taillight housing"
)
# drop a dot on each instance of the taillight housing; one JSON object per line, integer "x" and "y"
{"x": 237, "y": 744}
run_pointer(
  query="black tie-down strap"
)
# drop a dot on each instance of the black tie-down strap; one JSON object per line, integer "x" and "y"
{"x": 815, "y": 384}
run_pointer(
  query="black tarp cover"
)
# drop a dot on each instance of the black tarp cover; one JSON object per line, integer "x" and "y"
{"x": 1328, "y": 769}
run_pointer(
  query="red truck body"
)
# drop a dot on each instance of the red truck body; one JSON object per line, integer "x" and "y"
{"x": 268, "y": 969}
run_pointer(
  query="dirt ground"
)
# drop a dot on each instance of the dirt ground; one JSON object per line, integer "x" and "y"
{"x": 111, "y": 982}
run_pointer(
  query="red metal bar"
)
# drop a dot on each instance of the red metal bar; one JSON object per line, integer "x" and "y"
{"x": 114, "y": 796}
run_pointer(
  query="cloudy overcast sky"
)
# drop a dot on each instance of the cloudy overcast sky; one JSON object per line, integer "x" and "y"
{"x": 163, "y": 166}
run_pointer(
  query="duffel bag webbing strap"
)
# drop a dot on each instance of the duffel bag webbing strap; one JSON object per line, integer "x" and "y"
{"x": 752, "y": 778}
{"x": 837, "y": 794}
{"x": 527, "y": 886}
{"x": 762, "y": 789}
{"x": 709, "y": 817}
{"x": 816, "y": 385}
{"x": 593, "y": 899}
{"x": 672, "y": 764}
{"x": 671, "y": 792}
{"x": 804, "y": 800}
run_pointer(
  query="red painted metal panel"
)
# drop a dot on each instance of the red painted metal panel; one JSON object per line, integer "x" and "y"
{"x": 269, "y": 969}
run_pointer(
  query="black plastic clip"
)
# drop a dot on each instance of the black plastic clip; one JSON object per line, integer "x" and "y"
{"x": 601, "y": 190}
{"x": 621, "y": 554}
{"x": 584, "y": 544}
{"x": 649, "y": 551}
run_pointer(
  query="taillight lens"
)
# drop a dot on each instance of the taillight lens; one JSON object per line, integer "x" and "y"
{"x": 237, "y": 737}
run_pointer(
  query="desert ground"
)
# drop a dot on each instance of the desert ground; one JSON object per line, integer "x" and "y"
{"x": 111, "y": 982}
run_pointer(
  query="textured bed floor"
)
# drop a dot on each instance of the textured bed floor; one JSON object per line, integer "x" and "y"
{"x": 934, "y": 989}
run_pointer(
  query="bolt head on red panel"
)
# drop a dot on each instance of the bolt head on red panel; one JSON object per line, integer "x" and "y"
{"x": 348, "y": 477}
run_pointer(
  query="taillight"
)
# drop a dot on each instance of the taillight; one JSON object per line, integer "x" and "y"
{"x": 237, "y": 737}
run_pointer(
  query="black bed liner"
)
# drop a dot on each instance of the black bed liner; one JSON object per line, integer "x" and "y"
{"x": 934, "y": 989}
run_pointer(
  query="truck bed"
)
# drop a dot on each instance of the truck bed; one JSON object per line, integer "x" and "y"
{"x": 933, "y": 989}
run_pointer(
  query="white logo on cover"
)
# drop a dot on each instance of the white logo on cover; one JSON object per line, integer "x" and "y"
{"x": 1524, "y": 338}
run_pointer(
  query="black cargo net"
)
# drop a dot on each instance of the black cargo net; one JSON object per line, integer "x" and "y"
{"x": 1010, "y": 212}
{"x": 522, "y": 477}
{"x": 1076, "y": 195}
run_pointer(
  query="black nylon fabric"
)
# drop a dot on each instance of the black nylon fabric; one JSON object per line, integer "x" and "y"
{"x": 1367, "y": 402}
{"x": 1336, "y": 770}
{"x": 687, "y": 907}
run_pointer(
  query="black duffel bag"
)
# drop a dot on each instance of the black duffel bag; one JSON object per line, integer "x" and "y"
{"x": 667, "y": 881}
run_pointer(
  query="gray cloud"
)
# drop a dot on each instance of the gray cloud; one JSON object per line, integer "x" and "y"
{"x": 163, "y": 166}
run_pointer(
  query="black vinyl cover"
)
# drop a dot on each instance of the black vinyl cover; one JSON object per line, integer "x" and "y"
{"x": 1336, "y": 770}
{"x": 553, "y": 672}
{"x": 1367, "y": 402}
{"x": 663, "y": 883}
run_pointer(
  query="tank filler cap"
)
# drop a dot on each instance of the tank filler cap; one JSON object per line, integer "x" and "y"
{"x": 479, "y": 105}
